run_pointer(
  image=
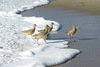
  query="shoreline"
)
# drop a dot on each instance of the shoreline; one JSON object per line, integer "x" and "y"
{"x": 88, "y": 37}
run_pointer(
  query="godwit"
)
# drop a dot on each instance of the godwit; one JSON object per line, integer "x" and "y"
{"x": 42, "y": 35}
{"x": 72, "y": 31}
{"x": 30, "y": 31}
{"x": 49, "y": 29}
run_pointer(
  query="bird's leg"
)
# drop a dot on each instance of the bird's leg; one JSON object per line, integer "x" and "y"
{"x": 37, "y": 42}
{"x": 25, "y": 37}
{"x": 74, "y": 39}
{"x": 45, "y": 41}
{"x": 70, "y": 38}
{"x": 34, "y": 39}
{"x": 48, "y": 36}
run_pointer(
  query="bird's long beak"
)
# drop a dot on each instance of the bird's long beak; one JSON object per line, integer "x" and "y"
{"x": 78, "y": 27}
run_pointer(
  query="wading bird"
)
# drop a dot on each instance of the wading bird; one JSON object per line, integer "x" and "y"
{"x": 30, "y": 31}
{"x": 72, "y": 31}
{"x": 42, "y": 34}
{"x": 49, "y": 29}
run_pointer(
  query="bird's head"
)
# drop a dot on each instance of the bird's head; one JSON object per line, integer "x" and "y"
{"x": 74, "y": 26}
{"x": 34, "y": 25}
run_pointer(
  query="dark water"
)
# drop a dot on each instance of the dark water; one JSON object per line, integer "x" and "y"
{"x": 88, "y": 36}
